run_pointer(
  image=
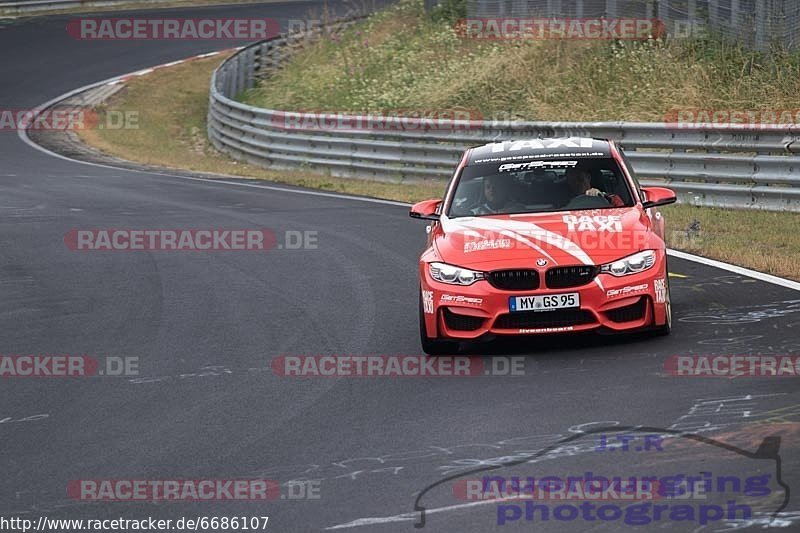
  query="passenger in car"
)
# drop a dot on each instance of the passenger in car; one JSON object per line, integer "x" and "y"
{"x": 497, "y": 196}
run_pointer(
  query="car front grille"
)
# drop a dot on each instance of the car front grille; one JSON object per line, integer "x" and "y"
{"x": 570, "y": 276}
{"x": 544, "y": 319}
{"x": 458, "y": 322}
{"x": 629, "y": 313}
{"x": 514, "y": 280}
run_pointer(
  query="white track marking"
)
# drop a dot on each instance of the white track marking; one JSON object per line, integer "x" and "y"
{"x": 410, "y": 517}
{"x": 768, "y": 278}
{"x": 23, "y": 134}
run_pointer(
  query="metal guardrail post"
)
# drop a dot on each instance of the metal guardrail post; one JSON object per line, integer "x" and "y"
{"x": 760, "y": 25}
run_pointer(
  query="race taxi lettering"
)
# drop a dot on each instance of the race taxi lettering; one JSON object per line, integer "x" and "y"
{"x": 541, "y": 144}
{"x": 660, "y": 286}
{"x": 611, "y": 223}
{"x": 627, "y": 290}
{"x": 427, "y": 302}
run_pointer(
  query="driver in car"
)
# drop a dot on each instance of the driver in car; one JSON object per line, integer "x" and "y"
{"x": 579, "y": 182}
{"x": 496, "y": 197}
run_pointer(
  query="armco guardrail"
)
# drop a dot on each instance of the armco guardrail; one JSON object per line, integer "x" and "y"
{"x": 15, "y": 7}
{"x": 751, "y": 168}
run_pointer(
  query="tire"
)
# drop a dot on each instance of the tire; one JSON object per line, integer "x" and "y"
{"x": 433, "y": 346}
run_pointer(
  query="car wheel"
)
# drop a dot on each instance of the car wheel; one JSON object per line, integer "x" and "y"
{"x": 433, "y": 346}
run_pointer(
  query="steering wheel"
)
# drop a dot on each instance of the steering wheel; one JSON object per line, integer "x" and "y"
{"x": 585, "y": 201}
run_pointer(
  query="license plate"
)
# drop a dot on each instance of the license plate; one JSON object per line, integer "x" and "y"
{"x": 544, "y": 302}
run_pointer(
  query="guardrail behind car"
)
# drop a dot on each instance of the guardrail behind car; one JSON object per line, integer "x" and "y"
{"x": 18, "y": 7}
{"x": 31, "y": 6}
{"x": 735, "y": 167}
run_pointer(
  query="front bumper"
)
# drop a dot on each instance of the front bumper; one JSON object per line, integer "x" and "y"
{"x": 607, "y": 303}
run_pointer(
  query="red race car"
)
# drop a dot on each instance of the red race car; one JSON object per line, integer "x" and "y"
{"x": 542, "y": 236}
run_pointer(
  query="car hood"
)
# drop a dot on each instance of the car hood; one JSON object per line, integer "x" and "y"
{"x": 542, "y": 239}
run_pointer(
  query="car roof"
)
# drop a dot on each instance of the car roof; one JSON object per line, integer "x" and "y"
{"x": 539, "y": 148}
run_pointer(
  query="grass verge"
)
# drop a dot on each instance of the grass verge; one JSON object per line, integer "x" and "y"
{"x": 170, "y": 107}
{"x": 171, "y": 104}
{"x": 403, "y": 58}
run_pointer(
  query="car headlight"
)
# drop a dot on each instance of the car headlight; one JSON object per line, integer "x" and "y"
{"x": 453, "y": 275}
{"x": 633, "y": 264}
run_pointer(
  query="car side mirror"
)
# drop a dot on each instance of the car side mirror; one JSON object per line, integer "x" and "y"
{"x": 657, "y": 196}
{"x": 426, "y": 210}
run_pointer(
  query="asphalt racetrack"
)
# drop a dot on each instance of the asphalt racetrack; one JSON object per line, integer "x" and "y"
{"x": 206, "y": 326}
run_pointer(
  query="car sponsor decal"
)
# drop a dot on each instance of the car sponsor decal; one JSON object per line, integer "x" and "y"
{"x": 427, "y": 302}
{"x": 547, "y": 330}
{"x": 660, "y": 286}
{"x": 612, "y": 223}
{"x": 486, "y": 225}
{"x": 450, "y": 298}
{"x": 499, "y": 159}
{"x": 486, "y": 244}
{"x": 624, "y": 291}
{"x": 530, "y": 165}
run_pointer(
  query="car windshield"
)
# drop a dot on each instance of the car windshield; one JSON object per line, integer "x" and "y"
{"x": 539, "y": 187}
